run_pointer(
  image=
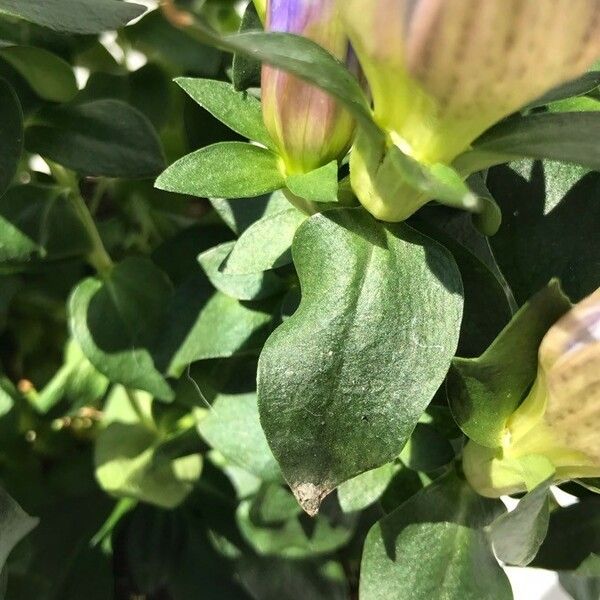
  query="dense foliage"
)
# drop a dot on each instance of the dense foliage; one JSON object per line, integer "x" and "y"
{"x": 236, "y": 366}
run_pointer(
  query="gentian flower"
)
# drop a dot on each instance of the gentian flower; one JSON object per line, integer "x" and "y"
{"x": 556, "y": 430}
{"x": 441, "y": 72}
{"x": 308, "y": 126}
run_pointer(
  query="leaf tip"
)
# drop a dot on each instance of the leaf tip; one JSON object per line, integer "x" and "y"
{"x": 310, "y": 496}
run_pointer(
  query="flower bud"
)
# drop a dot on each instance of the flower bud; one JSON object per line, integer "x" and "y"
{"x": 558, "y": 423}
{"x": 308, "y": 126}
{"x": 443, "y": 72}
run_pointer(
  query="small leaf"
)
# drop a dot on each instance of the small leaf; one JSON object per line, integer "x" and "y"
{"x": 115, "y": 321}
{"x": 202, "y": 324}
{"x": 434, "y": 546}
{"x": 224, "y": 170}
{"x": 320, "y": 185}
{"x": 238, "y": 216}
{"x": 573, "y": 534}
{"x": 38, "y": 222}
{"x": 49, "y": 76}
{"x": 427, "y": 449}
{"x": 15, "y": 524}
{"x": 11, "y": 134}
{"x": 566, "y": 137}
{"x": 238, "y": 110}
{"x": 73, "y": 16}
{"x": 248, "y": 448}
{"x": 134, "y": 462}
{"x": 103, "y": 137}
{"x": 245, "y": 70}
{"x": 294, "y": 538}
{"x": 363, "y": 490}
{"x": 243, "y": 287}
{"x": 583, "y": 85}
{"x": 345, "y": 365}
{"x": 518, "y": 535}
{"x": 483, "y": 392}
{"x": 265, "y": 244}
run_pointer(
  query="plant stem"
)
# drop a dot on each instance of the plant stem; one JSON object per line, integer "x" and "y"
{"x": 98, "y": 257}
{"x": 138, "y": 409}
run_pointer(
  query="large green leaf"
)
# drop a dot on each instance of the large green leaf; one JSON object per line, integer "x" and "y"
{"x": 551, "y": 219}
{"x": 238, "y": 110}
{"x": 484, "y": 391}
{"x": 343, "y": 382}
{"x": 517, "y": 535}
{"x": 50, "y": 77}
{"x": 103, "y": 137}
{"x": 224, "y": 170}
{"x": 433, "y": 546}
{"x": 11, "y": 134}
{"x": 115, "y": 321}
{"x": 74, "y": 16}
{"x": 39, "y": 222}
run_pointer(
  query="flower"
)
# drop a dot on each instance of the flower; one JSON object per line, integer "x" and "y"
{"x": 308, "y": 126}
{"x": 556, "y": 430}
{"x": 443, "y": 72}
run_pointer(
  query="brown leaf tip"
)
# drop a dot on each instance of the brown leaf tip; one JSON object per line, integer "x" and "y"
{"x": 310, "y": 496}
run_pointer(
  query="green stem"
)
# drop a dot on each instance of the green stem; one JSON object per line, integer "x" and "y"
{"x": 301, "y": 204}
{"x": 138, "y": 409}
{"x": 98, "y": 257}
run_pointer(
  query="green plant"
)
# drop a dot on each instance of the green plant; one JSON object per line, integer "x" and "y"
{"x": 291, "y": 330}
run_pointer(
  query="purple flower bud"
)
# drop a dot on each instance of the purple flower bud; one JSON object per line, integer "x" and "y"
{"x": 308, "y": 126}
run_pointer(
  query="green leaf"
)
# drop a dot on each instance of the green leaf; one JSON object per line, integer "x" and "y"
{"x": 483, "y": 392}
{"x": 11, "y": 134}
{"x": 224, "y": 170}
{"x": 551, "y": 220}
{"x": 74, "y": 16}
{"x": 238, "y": 110}
{"x": 305, "y": 59}
{"x": 135, "y": 462}
{"x": 573, "y": 534}
{"x": 265, "y": 244}
{"x": 176, "y": 48}
{"x": 363, "y": 490}
{"x": 320, "y": 185}
{"x": 201, "y": 324}
{"x": 103, "y": 137}
{"x": 580, "y": 86}
{"x": 253, "y": 286}
{"x": 434, "y": 546}
{"x": 245, "y": 70}
{"x": 518, "y": 535}
{"x": 427, "y": 449}
{"x": 15, "y": 524}
{"x": 49, "y": 76}
{"x": 272, "y": 579}
{"x": 566, "y": 137}
{"x": 77, "y": 381}
{"x": 39, "y": 222}
{"x": 248, "y": 447}
{"x": 584, "y": 582}
{"x": 296, "y": 537}
{"x": 115, "y": 321}
{"x": 238, "y": 216}
{"x": 344, "y": 380}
